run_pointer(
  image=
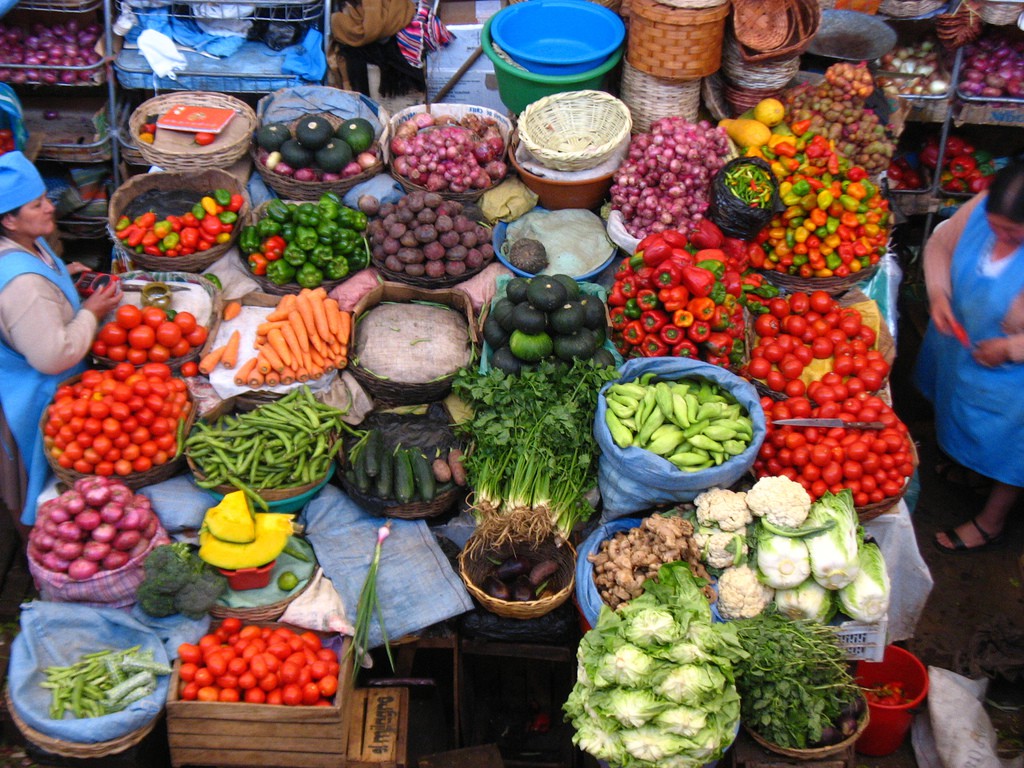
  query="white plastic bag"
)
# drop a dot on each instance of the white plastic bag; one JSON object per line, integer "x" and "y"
{"x": 318, "y": 608}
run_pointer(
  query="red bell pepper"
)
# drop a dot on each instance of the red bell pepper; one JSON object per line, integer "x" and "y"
{"x": 706, "y": 235}
{"x": 698, "y": 282}
{"x": 655, "y": 253}
{"x": 236, "y": 203}
{"x": 617, "y": 317}
{"x": 720, "y": 319}
{"x": 961, "y": 166}
{"x": 654, "y": 320}
{"x": 685, "y": 348}
{"x": 633, "y": 333}
{"x": 629, "y": 286}
{"x": 257, "y": 263}
{"x": 674, "y": 298}
{"x": 672, "y": 334}
{"x": 675, "y": 238}
{"x": 701, "y": 307}
{"x": 856, "y": 173}
{"x": 733, "y": 282}
{"x": 624, "y": 268}
{"x": 682, "y": 318}
{"x": 653, "y": 346}
{"x": 211, "y": 226}
{"x": 273, "y": 247}
{"x": 719, "y": 343}
{"x": 699, "y": 331}
{"x": 647, "y": 299}
{"x": 668, "y": 274}
{"x": 616, "y": 298}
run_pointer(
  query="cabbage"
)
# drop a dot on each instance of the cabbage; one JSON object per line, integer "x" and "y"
{"x": 627, "y": 665}
{"x": 631, "y": 707}
{"x": 652, "y": 626}
{"x": 866, "y": 598}
{"x": 834, "y": 559}
{"x": 652, "y": 744}
{"x": 691, "y": 683}
{"x": 809, "y": 600}
{"x": 682, "y": 720}
{"x": 782, "y": 561}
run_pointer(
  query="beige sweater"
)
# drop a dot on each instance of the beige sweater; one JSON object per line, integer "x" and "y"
{"x": 938, "y": 257}
{"x": 38, "y": 322}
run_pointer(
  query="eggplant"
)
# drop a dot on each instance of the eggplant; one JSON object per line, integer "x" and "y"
{"x": 496, "y": 588}
{"x": 829, "y": 735}
{"x": 522, "y": 590}
{"x": 543, "y": 571}
{"x": 511, "y": 568}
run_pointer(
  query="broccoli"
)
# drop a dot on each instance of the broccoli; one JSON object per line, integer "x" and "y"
{"x": 170, "y": 567}
{"x": 154, "y": 602}
{"x": 199, "y": 595}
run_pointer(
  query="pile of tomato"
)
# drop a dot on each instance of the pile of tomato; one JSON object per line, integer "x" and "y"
{"x": 800, "y": 328}
{"x": 888, "y": 694}
{"x": 258, "y": 665}
{"x": 146, "y": 335}
{"x": 873, "y": 463}
{"x": 118, "y": 421}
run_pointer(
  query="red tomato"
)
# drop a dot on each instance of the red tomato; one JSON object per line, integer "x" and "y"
{"x": 190, "y": 369}
{"x": 328, "y": 685}
{"x": 118, "y": 353}
{"x": 778, "y": 307}
{"x": 186, "y": 321}
{"x": 128, "y": 316}
{"x": 255, "y": 696}
{"x": 188, "y": 652}
{"x": 821, "y": 348}
{"x": 112, "y": 334}
{"x": 269, "y": 682}
{"x": 794, "y": 388}
{"x": 310, "y": 694}
{"x": 759, "y": 367}
{"x": 274, "y": 697}
{"x": 795, "y": 325}
{"x": 821, "y": 302}
{"x": 208, "y": 693}
{"x": 292, "y": 695}
{"x": 153, "y": 316}
{"x": 168, "y": 333}
{"x": 141, "y": 337}
{"x": 197, "y": 337}
{"x": 767, "y": 324}
{"x": 775, "y": 381}
{"x": 799, "y": 302}
{"x": 228, "y": 694}
{"x": 189, "y": 692}
{"x": 791, "y": 368}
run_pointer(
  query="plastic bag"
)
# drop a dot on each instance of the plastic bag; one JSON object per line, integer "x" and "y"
{"x": 734, "y": 216}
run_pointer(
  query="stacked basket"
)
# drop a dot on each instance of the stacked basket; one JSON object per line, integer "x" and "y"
{"x": 910, "y": 9}
{"x": 569, "y": 147}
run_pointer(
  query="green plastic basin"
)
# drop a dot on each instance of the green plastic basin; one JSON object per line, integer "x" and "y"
{"x": 517, "y": 88}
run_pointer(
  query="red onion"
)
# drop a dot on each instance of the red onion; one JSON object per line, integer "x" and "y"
{"x": 125, "y": 540}
{"x": 304, "y": 174}
{"x": 82, "y": 569}
{"x": 88, "y": 520}
{"x": 115, "y": 559}
{"x": 68, "y": 550}
{"x": 51, "y": 562}
{"x": 104, "y": 532}
{"x": 95, "y": 550}
{"x": 69, "y": 531}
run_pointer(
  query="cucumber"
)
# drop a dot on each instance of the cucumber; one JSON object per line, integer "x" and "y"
{"x": 405, "y": 483}
{"x": 374, "y": 450}
{"x": 360, "y": 478}
{"x": 423, "y": 473}
{"x": 385, "y": 477}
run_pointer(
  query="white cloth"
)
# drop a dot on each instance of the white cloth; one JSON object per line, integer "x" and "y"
{"x": 161, "y": 54}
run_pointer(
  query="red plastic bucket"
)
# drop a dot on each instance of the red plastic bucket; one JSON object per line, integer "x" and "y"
{"x": 889, "y": 723}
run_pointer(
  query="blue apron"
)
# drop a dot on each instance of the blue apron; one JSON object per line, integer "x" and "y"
{"x": 24, "y": 391}
{"x": 979, "y": 412}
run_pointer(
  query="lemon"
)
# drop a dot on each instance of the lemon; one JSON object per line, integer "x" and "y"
{"x": 769, "y": 111}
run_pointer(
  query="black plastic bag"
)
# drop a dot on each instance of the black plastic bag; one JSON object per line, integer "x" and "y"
{"x": 734, "y": 216}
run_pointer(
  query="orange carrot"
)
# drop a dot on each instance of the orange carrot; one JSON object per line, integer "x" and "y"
{"x": 287, "y": 375}
{"x": 264, "y": 328}
{"x": 317, "y": 358}
{"x": 209, "y": 362}
{"x": 332, "y": 310}
{"x": 305, "y": 308}
{"x": 293, "y": 344}
{"x": 272, "y": 379}
{"x": 232, "y": 310}
{"x": 320, "y": 318}
{"x": 270, "y": 355}
{"x": 230, "y": 357}
{"x": 255, "y": 379}
{"x": 280, "y": 346}
{"x": 345, "y": 326}
{"x": 302, "y": 375}
{"x": 284, "y": 306}
{"x": 318, "y": 293}
{"x": 247, "y": 369}
{"x": 300, "y": 330}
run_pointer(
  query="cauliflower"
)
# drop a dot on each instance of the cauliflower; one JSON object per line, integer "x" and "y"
{"x": 721, "y": 549}
{"x": 726, "y": 509}
{"x": 740, "y": 594}
{"x": 780, "y": 501}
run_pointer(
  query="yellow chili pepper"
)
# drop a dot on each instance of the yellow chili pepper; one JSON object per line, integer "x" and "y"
{"x": 223, "y": 237}
{"x": 209, "y": 205}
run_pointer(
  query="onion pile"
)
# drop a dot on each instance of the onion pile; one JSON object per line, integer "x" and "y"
{"x": 922, "y": 62}
{"x": 49, "y": 54}
{"x": 99, "y": 525}
{"x": 993, "y": 67}
{"x": 424, "y": 234}
{"x": 443, "y": 154}
{"x": 666, "y": 177}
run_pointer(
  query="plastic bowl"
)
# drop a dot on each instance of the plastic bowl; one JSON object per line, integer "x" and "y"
{"x": 558, "y": 37}
{"x": 555, "y": 194}
{"x": 292, "y": 503}
{"x": 498, "y": 239}
{"x": 517, "y": 88}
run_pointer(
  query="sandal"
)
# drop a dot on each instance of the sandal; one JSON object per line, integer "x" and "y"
{"x": 990, "y": 541}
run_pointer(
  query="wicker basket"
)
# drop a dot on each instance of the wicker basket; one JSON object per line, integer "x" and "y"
{"x": 741, "y": 99}
{"x": 269, "y": 612}
{"x": 202, "y": 183}
{"x": 176, "y": 151}
{"x": 908, "y": 9}
{"x": 77, "y": 749}
{"x": 873, "y": 510}
{"x": 576, "y": 130}
{"x": 675, "y": 43}
{"x": 476, "y": 566}
{"x": 746, "y": 74}
{"x": 803, "y": 17}
{"x": 413, "y": 510}
{"x": 651, "y": 98}
{"x": 820, "y": 752}
{"x": 693, "y": 4}
{"x": 1000, "y": 13}
{"x": 833, "y": 285}
{"x": 764, "y": 25}
{"x": 267, "y": 494}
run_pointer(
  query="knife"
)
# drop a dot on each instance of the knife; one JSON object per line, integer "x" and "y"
{"x": 827, "y": 423}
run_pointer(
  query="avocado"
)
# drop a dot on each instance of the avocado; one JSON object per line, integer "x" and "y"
{"x": 334, "y": 156}
{"x": 357, "y": 133}
{"x": 546, "y": 293}
{"x": 516, "y": 289}
{"x": 313, "y": 131}
{"x": 272, "y": 135}
{"x": 528, "y": 319}
{"x": 295, "y": 155}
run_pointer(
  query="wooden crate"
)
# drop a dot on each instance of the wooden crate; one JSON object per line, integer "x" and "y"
{"x": 378, "y": 728}
{"x": 260, "y": 735}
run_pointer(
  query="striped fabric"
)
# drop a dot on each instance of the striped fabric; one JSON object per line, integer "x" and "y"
{"x": 423, "y": 34}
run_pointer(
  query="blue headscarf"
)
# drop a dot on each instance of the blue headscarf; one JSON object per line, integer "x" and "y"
{"x": 20, "y": 182}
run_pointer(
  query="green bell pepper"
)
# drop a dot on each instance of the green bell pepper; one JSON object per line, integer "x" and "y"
{"x": 293, "y": 255}
{"x": 307, "y": 215}
{"x": 347, "y": 241}
{"x": 249, "y": 240}
{"x": 320, "y": 255}
{"x": 352, "y": 219}
{"x": 327, "y": 208}
{"x": 267, "y": 228}
{"x": 198, "y": 211}
{"x": 359, "y": 258}
{"x": 222, "y": 196}
{"x": 288, "y": 231}
{"x": 278, "y": 211}
{"x": 227, "y": 217}
{"x": 326, "y": 231}
{"x": 309, "y": 276}
{"x": 336, "y": 268}
{"x": 280, "y": 272}
{"x": 305, "y": 238}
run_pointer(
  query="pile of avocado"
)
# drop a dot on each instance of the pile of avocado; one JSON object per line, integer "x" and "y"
{"x": 314, "y": 142}
{"x": 547, "y": 316}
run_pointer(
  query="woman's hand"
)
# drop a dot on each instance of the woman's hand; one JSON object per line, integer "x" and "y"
{"x": 76, "y": 268}
{"x": 103, "y": 301}
{"x": 942, "y": 314}
{"x": 992, "y": 352}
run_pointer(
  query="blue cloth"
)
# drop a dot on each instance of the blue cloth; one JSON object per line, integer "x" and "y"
{"x": 179, "y": 503}
{"x": 11, "y": 105}
{"x": 633, "y": 479}
{"x": 978, "y": 410}
{"x": 186, "y": 32}
{"x": 306, "y": 59}
{"x": 173, "y": 630}
{"x": 58, "y": 634}
{"x": 258, "y": 190}
{"x": 24, "y": 391}
{"x": 20, "y": 182}
{"x": 382, "y": 186}
{"x": 416, "y": 585}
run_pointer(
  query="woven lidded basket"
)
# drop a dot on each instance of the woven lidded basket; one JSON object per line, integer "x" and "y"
{"x": 677, "y": 43}
{"x": 651, "y": 98}
{"x": 176, "y": 150}
{"x": 575, "y": 130}
{"x": 202, "y": 183}
{"x": 746, "y": 74}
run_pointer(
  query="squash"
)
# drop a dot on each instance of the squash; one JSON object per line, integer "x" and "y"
{"x": 334, "y": 156}
{"x": 746, "y": 133}
{"x": 232, "y": 520}
{"x": 272, "y": 533}
{"x": 313, "y": 131}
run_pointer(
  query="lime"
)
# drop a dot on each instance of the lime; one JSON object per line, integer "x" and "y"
{"x": 287, "y": 581}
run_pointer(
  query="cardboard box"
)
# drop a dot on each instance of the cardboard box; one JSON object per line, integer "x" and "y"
{"x": 478, "y": 85}
{"x": 378, "y": 728}
{"x": 991, "y": 113}
{"x": 467, "y": 11}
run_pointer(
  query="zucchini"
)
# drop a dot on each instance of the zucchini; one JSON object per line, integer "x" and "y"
{"x": 360, "y": 478}
{"x": 385, "y": 477}
{"x": 375, "y": 451}
{"x": 405, "y": 483}
{"x": 423, "y": 474}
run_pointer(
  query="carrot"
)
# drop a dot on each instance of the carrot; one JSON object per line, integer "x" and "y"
{"x": 300, "y": 330}
{"x": 318, "y": 293}
{"x": 302, "y": 375}
{"x": 230, "y": 357}
{"x": 293, "y": 344}
{"x": 264, "y": 328}
{"x": 317, "y": 358}
{"x": 287, "y": 375}
{"x": 267, "y": 353}
{"x": 345, "y": 326}
{"x": 320, "y": 318}
{"x": 232, "y": 310}
{"x": 332, "y": 310}
{"x": 280, "y": 346}
{"x": 262, "y": 364}
{"x": 247, "y": 369}
{"x": 209, "y": 362}
{"x": 272, "y": 379}
{"x": 284, "y": 306}
{"x": 255, "y": 379}
{"x": 305, "y": 308}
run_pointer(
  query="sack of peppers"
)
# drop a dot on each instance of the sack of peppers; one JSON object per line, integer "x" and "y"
{"x": 210, "y": 222}
{"x": 835, "y": 221}
{"x": 683, "y": 295}
{"x": 306, "y": 243}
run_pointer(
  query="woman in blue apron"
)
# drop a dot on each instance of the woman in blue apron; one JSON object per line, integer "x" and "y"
{"x": 45, "y": 329}
{"x": 971, "y": 364}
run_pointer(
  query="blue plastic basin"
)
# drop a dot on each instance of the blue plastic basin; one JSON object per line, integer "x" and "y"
{"x": 558, "y": 37}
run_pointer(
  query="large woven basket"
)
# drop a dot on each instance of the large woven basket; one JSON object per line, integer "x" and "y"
{"x": 908, "y": 9}
{"x": 832, "y": 285}
{"x": 741, "y": 99}
{"x": 747, "y": 74}
{"x": 820, "y": 752}
{"x": 871, "y": 511}
{"x": 676, "y": 43}
{"x": 651, "y": 98}
{"x": 267, "y": 494}
{"x": 73, "y": 749}
{"x": 476, "y": 563}
{"x": 757, "y": 27}
{"x": 413, "y": 510}
{"x": 575, "y": 130}
{"x": 1000, "y": 12}
{"x": 202, "y": 183}
{"x": 176, "y": 150}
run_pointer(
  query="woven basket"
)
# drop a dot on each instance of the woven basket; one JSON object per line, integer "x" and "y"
{"x": 202, "y": 182}
{"x": 413, "y": 510}
{"x": 741, "y": 99}
{"x": 77, "y": 749}
{"x": 576, "y": 130}
{"x": 693, "y": 4}
{"x": 269, "y": 612}
{"x": 907, "y": 9}
{"x": 675, "y": 43}
{"x": 176, "y": 151}
{"x": 832, "y": 285}
{"x": 476, "y": 567}
{"x": 746, "y": 74}
{"x": 1000, "y": 13}
{"x": 764, "y": 25}
{"x": 803, "y": 19}
{"x": 651, "y": 98}
{"x": 820, "y": 752}
{"x": 873, "y": 510}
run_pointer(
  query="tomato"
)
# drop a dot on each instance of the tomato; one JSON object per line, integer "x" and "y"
{"x": 274, "y": 697}
{"x": 778, "y": 307}
{"x": 141, "y": 337}
{"x": 310, "y": 694}
{"x": 291, "y": 695}
{"x": 289, "y": 672}
{"x": 112, "y": 334}
{"x": 189, "y": 692}
{"x": 186, "y": 321}
{"x": 803, "y": 354}
{"x": 795, "y": 325}
{"x": 191, "y": 368}
{"x": 181, "y": 349}
{"x": 775, "y": 381}
{"x": 850, "y": 326}
{"x": 208, "y": 693}
{"x": 158, "y": 353}
{"x": 168, "y": 333}
{"x": 821, "y": 348}
{"x": 832, "y": 473}
{"x": 247, "y": 681}
{"x": 203, "y": 677}
{"x": 799, "y": 302}
{"x": 142, "y": 464}
{"x": 759, "y": 367}
{"x": 258, "y": 665}
{"x": 197, "y": 337}
{"x": 255, "y": 696}
{"x": 328, "y": 685}
{"x": 189, "y": 652}
{"x": 228, "y": 694}
{"x": 217, "y": 664}
{"x": 269, "y": 682}
{"x": 794, "y": 388}
{"x": 153, "y": 317}
{"x": 791, "y": 367}
{"x": 128, "y": 316}
{"x": 766, "y": 325}
{"x": 872, "y": 379}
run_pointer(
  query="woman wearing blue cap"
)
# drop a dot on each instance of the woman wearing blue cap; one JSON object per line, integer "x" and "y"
{"x": 45, "y": 329}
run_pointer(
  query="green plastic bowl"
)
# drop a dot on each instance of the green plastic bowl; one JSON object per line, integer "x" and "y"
{"x": 517, "y": 88}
